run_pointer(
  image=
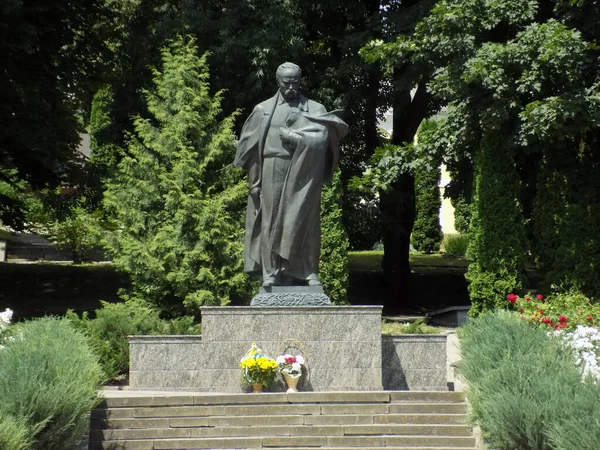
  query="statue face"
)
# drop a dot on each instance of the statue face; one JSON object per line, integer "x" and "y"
{"x": 289, "y": 82}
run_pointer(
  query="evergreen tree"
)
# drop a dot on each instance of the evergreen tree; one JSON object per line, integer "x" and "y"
{"x": 427, "y": 233}
{"x": 177, "y": 202}
{"x": 333, "y": 266}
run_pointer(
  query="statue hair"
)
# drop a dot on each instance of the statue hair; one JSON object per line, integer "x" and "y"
{"x": 285, "y": 66}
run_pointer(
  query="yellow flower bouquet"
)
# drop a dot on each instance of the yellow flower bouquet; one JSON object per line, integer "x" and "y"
{"x": 258, "y": 368}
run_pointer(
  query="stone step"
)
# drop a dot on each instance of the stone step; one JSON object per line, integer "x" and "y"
{"x": 436, "y": 442}
{"x": 121, "y": 399}
{"x": 283, "y": 430}
{"x": 345, "y": 419}
{"x": 328, "y": 420}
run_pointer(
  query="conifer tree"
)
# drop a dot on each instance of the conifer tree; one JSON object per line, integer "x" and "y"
{"x": 177, "y": 202}
{"x": 333, "y": 265}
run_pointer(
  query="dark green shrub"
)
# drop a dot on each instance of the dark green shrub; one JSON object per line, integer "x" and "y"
{"x": 520, "y": 379}
{"x": 108, "y": 331}
{"x": 427, "y": 232}
{"x": 496, "y": 239}
{"x": 462, "y": 214}
{"x": 363, "y": 223}
{"x": 14, "y": 433}
{"x": 49, "y": 377}
{"x": 176, "y": 201}
{"x": 456, "y": 244}
{"x": 333, "y": 266}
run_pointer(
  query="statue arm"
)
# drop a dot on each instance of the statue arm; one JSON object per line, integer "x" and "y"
{"x": 248, "y": 149}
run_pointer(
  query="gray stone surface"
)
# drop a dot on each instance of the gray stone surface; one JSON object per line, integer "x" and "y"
{"x": 341, "y": 346}
{"x": 291, "y": 296}
{"x": 414, "y": 362}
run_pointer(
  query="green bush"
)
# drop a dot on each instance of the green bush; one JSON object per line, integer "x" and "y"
{"x": 115, "y": 321}
{"x": 520, "y": 380}
{"x": 580, "y": 426}
{"x": 49, "y": 378}
{"x": 177, "y": 203}
{"x": 456, "y": 244}
{"x": 496, "y": 250}
{"x": 14, "y": 433}
{"x": 333, "y": 266}
{"x": 427, "y": 232}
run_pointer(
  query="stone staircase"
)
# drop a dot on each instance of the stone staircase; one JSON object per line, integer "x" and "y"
{"x": 401, "y": 420}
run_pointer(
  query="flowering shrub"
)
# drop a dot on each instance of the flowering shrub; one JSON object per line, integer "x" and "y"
{"x": 290, "y": 365}
{"x": 560, "y": 311}
{"x": 258, "y": 367}
{"x": 585, "y": 341}
{"x": 573, "y": 316}
{"x": 5, "y": 318}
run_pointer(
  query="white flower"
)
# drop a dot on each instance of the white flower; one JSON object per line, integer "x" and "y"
{"x": 5, "y": 318}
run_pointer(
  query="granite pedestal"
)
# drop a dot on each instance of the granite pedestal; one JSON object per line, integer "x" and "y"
{"x": 341, "y": 345}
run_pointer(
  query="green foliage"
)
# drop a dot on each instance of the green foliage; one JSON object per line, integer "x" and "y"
{"x": 566, "y": 221}
{"x": 456, "y": 244}
{"x": 49, "y": 378}
{"x": 363, "y": 224}
{"x": 17, "y": 205}
{"x": 78, "y": 233}
{"x": 462, "y": 215}
{"x": 561, "y": 310}
{"x": 177, "y": 202}
{"x": 333, "y": 266}
{"x": 114, "y": 322}
{"x": 521, "y": 380}
{"x": 14, "y": 433}
{"x": 496, "y": 244}
{"x": 416, "y": 327}
{"x": 579, "y": 427}
{"x": 427, "y": 232}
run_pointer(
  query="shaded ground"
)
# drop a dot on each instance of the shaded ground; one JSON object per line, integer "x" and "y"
{"x": 435, "y": 283}
{"x": 33, "y": 290}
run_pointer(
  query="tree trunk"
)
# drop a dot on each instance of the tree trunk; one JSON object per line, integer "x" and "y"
{"x": 397, "y": 205}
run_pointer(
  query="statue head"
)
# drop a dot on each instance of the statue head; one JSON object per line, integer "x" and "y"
{"x": 288, "y": 77}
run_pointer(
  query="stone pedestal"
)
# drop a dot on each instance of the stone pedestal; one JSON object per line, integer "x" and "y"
{"x": 341, "y": 345}
{"x": 291, "y": 296}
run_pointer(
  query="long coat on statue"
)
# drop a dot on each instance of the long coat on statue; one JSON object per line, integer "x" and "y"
{"x": 295, "y": 226}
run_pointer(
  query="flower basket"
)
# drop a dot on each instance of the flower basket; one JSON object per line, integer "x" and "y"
{"x": 258, "y": 368}
{"x": 290, "y": 367}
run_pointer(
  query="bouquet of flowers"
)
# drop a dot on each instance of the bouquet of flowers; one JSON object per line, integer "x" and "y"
{"x": 258, "y": 368}
{"x": 290, "y": 365}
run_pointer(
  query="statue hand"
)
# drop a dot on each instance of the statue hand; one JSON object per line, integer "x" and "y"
{"x": 287, "y": 136}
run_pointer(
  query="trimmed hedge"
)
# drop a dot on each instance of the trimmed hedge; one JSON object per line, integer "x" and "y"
{"x": 496, "y": 238}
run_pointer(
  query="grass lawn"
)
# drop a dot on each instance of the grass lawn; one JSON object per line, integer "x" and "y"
{"x": 370, "y": 260}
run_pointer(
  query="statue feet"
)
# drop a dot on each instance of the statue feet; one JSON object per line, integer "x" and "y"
{"x": 269, "y": 282}
{"x": 312, "y": 280}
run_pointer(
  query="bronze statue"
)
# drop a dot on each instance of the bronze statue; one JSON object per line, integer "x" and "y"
{"x": 289, "y": 146}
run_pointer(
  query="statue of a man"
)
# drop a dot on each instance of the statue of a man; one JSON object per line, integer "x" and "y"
{"x": 289, "y": 147}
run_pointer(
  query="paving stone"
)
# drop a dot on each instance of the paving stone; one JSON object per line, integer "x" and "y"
{"x": 428, "y": 408}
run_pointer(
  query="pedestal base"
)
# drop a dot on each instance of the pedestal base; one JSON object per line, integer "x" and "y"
{"x": 341, "y": 346}
{"x": 291, "y": 296}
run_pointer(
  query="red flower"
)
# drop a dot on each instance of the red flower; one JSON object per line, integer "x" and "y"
{"x": 540, "y": 297}
{"x": 590, "y": 318}
{"x": 512, "y": 298}
{"x": 527, "y": 299}
{"x": 521, "y": 310}
{"x": 290, "y": 360}
{"x": 561, "y": 325}
{"x": 562, "y": 319}
{"x": 547, "y": 320}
